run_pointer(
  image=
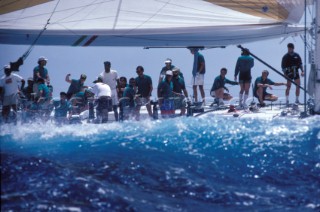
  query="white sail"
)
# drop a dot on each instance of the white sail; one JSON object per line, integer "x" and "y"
{"x": 147, "y": 22}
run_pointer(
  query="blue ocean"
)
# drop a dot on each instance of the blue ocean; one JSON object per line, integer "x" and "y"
{"x": 181, "y": 164}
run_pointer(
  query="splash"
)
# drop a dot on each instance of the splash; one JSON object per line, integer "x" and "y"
{"x": 182, "y": 164}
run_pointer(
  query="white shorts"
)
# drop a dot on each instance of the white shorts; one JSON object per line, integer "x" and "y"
{"x": 197, "y": 80}
{"x": 114, "y": 96}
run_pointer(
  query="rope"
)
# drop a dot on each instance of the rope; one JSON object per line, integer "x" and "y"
{"x": 26, "y": 54}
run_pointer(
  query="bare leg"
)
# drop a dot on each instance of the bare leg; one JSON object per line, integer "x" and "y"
{"x": 202, "y": 92}
{"x": 5, "y": 112}
{"x": 219, "y": 93}
{"x": 195, "y": 94}
{"x": 148, "y": 106}
{"x": 246, "y": 88}
{"x": 260, "y": 94}
{"x": 115, "y": 110}
{"x": 288, "y": 87}
{"x": 297, "y": 81}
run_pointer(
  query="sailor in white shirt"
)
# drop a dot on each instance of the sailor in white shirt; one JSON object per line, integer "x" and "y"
{"x": 102, "y": 93}
{"x": 110, "y": 77}
{"x": 9, "y": 84}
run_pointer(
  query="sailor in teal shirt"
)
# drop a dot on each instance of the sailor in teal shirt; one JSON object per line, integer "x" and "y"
{"x": 260, "y": 88}
{"x": 218, "y": 87}
{"x": 164, "y": 93}
{"x": 62, "y": 108}
{"x": 144, "y": 85}
{"x": 75, "y": 85}
{"x": 129, "y": 93}
{"x": 243, "y": 68}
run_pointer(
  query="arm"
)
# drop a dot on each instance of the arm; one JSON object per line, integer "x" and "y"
{"x": 231, "y": 82}
{"x": 68, "y": 78}
{"x": 185, "y": 92}
{"x": 48, "y": 79}
{"x": 264, "y": 86}
{"x": 202, "y": 64}
{"x": 280, "y": 83}
{"x": 283, "y": 63}
{"x": 301, "y": 67}
{"x": 151, "y": 87}
{"x": 225, "y": 88}
{"x": 236, "y": 70}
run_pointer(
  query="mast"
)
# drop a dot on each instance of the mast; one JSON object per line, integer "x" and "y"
{"x": 317, "y": 56}
{"x": 315, "y": 63}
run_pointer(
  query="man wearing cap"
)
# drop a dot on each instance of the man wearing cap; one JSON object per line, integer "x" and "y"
{"x": 144, "y": 85}
{"x": 179, "y": 87}
{"x": 76, "y": 85}
{"x": 168, "y": 66}
{"x": 198, "y": 71}
{"x": 28, "y": 91}
{"x": 260, "y": 88}
{"x": 9, "y": 86}
{"x": 243, "y": 67}
{"x": 110, "y": 77}
{"x": 102, "y": 93}
{"x": 291, "y": 63}
{"x": 40, "y": 72}
{"x": 164, "y": 93}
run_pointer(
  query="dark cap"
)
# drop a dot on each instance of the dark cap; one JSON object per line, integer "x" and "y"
{"x": 290, "y": 45}
{"x": 63, "y": 93}
{"x": 83, "y": 76}
{"x": 245, "y": 51}
{"x": 107, "y": 63}
{"x": 99, "y": 79}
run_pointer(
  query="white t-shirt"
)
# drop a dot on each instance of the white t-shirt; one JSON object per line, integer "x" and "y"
{"x": 110, "y": 78}
{"x": 101, "y": 89}
{"x": 10, "y": 84}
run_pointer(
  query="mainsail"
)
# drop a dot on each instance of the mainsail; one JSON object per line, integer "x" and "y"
{"x": 175, "y": 23}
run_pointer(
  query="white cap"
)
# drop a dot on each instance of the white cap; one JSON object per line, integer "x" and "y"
{"x": 175, "y": 69}
{"x": 168, "y": 60}
{"x": 7, "y": 67}
{"x": 42, "y": 58}
{"x": 169, "y": 73}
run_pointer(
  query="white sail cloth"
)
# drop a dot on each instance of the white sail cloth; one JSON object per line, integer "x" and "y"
{"x": 148, "y": 22}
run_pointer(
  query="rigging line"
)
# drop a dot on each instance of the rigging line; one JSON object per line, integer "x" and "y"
{"x": 156, "y": 13}
{"x": 26, "y": 54}
{"x": 93, "y": 3}
{"x": 117, "y": 15}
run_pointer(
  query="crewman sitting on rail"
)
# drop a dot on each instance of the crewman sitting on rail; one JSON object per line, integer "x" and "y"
{"x": 260, "y": 88}
{"x": 218, "y": 87}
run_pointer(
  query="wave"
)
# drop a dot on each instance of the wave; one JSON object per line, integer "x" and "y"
{"x": 181, "y": 164}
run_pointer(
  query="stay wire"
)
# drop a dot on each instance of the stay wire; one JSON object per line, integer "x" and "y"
{"x": 26, "y": 54}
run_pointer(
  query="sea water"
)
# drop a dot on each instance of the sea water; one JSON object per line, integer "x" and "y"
{"x": 181, "y": 164}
